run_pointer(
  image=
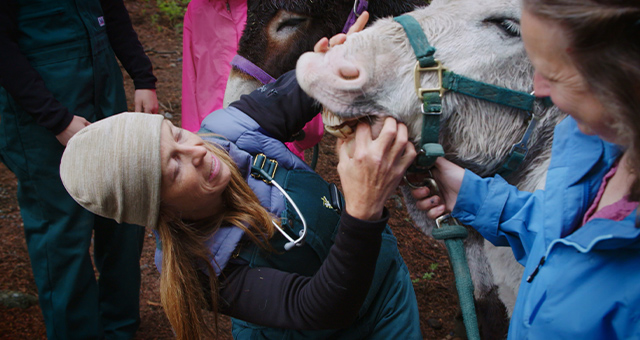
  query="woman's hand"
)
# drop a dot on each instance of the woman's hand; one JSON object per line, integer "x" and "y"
{"x": 371, "y": 169}
{"x": 323, "y": 45}
{"x": 449, "y": 178}
{"x": 77, "y": 123}
{"x": 146, "y": 101}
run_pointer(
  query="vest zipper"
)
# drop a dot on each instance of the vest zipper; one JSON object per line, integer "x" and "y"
{"x": 535, "y": 271}
{"x": 228, "y": 7}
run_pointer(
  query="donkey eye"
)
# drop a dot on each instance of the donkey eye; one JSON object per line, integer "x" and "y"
{"x": 290, "y": 23}
{"x": 509, "y": 26}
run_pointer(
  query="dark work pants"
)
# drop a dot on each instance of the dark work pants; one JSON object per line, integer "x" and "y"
{"x": 59, "y": 233}
{"x": 67, "y": 44}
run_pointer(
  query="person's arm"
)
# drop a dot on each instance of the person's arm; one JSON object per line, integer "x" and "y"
{"x": 124, "y": 42}
{"x": 281, "y": 108}
{"x": 495, "y": 208}
{"x": 370, "y": 171}
{"x": 500, "y": 212}
{"x": 23, "y": 82}
{"x": 329, "y": 299}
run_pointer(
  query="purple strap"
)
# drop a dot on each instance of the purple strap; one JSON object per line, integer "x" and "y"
{"x": 251, "y": 69}
{"x": 358, "y": 7}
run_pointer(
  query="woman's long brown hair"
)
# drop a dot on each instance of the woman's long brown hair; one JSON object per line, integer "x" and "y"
{"x": 184, "y": 253}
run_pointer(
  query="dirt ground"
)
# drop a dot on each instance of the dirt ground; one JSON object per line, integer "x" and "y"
{"x": 426, "y": 258}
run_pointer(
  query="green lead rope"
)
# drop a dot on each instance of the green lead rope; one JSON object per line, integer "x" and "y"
{"x": 453, "y": 236}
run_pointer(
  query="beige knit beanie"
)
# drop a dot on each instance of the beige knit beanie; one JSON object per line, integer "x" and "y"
{"x": 112, "y": 168}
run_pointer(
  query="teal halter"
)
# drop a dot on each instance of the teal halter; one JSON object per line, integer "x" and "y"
{"x": 447, "y": 80}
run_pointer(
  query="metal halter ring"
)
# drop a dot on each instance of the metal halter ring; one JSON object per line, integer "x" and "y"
{"x": 428, "y": 182}
{"x": 446, "y": 218}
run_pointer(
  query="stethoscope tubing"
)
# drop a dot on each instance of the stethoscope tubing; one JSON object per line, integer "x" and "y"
{"x": 300, "y": 241}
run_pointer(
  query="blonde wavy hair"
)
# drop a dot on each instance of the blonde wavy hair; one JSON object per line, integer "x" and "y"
{"x": 184, "y": 252}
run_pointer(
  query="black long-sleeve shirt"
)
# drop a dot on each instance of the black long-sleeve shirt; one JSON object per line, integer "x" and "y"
{"x": 27, "y": 87}
{"x": 334, "y": 295}
{"x": 330, "y": 299}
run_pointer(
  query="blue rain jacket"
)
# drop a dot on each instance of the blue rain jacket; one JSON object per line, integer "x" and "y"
{"x": 579, "y": 282}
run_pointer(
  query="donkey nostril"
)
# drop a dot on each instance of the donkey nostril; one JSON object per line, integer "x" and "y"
{"x": 349, "y": 73}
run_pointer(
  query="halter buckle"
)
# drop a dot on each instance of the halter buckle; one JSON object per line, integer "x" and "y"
{"x": 438, "y": 68}
{"x": 446, "y": 218}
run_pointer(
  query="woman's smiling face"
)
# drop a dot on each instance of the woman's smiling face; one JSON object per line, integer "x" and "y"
{"x": 193, "y": 178}
{"x": 556, "y": 76}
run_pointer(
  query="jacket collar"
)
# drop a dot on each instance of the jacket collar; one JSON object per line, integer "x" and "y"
{"x": 604, "y": 234}
{"x": 578, "y": 148}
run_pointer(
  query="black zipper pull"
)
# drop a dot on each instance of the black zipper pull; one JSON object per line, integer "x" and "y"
{"x": 535, "y": 271}
{"x": 337, "y": 201}
{"x": 228, "y": 7}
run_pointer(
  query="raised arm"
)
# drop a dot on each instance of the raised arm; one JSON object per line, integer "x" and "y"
{"x": 281, "y": 108}
{"x": 370, "y": 170}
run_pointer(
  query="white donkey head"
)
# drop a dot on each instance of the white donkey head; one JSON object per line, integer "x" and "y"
{"x": 372, "y": 75}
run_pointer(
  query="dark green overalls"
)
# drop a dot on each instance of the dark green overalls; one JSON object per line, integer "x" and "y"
{"x": 66, "y": 42}
{"x": 390, "y": 310}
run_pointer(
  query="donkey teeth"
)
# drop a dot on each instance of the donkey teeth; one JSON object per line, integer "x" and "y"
{"x": 328, "y": 118}
{"x": 336, "y": 125}
{"x": 342, "y": 132}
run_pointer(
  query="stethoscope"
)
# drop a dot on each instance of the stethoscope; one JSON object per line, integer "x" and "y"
{"x": 303, "y": 233}
{"x": 258, "y": 172}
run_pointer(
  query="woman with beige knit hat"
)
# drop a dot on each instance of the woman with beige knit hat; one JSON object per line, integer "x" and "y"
{"x": 239, "y": 215}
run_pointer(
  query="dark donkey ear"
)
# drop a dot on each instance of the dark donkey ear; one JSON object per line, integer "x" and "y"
{"x": 277, "y": 32}
{"x": 276, "y": 53}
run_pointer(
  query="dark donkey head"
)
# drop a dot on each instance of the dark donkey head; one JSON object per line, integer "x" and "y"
{"x": 277, "y": 32}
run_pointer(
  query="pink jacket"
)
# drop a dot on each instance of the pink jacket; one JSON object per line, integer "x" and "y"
{"x": 212, "y": 29}
{"x": 210, "y": 40}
